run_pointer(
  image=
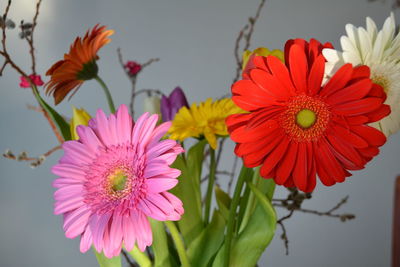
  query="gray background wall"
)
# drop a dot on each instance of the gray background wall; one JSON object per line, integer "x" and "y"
{"x": 194, "y": 40}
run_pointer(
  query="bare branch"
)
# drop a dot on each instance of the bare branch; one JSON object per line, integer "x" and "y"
{"x": 34, "y": 161}
{"x": 133, "y": 78}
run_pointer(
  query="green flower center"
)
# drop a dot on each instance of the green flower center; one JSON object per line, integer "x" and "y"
{"x": 89, "y": 71}
{"x": 382, "y": 81}
{"x": 118, "y": 180}
{"x": 305, "y": 118}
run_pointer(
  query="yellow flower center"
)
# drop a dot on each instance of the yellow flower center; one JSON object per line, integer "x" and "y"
{"x": 382, "y": 81}
{"x": 305, "y": 118}
{"x": 118, "y": 180}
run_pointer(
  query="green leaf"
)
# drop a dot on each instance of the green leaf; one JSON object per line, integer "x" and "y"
{"x": 106, "y": 262}
{"x": 223, "y": 201}
{"x": 252, "y": 241}
{"x": 203, "y": 249}
{"x": 188, "y": 190}
{"x": 160, "y": 244}
{"x": 266, "y": 186}
{"x": 62, "y": 125}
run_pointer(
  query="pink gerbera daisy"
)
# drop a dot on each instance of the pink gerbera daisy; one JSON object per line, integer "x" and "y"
{"x": 115, "y": 176}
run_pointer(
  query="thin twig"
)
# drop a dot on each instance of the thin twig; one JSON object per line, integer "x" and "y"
{"x": 284, "y": 236}
{"x": 232, "y": 176}
{"x": 133, "y": 78}
{"x": 34, "y": 161}
{"x": 9, "y": 61}
{"x": 128, "y": 259}
{"x": 245, "y": 34}
{"x": 293, "y": 203}
{"x": 29, "y": 38}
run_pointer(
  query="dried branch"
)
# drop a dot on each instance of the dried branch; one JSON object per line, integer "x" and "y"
{"x": 9, "y": 61}
{"x": 245, "y": 35}
{"x": 34, "y": 161}
{"x": 29, "y": 38}
{"x": 293, "y": 203}
{"x": 133, "y": 78}
{"x": 128, "y": 259}
{"x": 284, "y": 236}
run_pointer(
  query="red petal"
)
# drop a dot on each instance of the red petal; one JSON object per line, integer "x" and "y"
{"x": 356, "y": 120}
{"x": 253, "y": 147}
{"x": 236, "y": 120}
{"x": 249, "y": 96}
{"x": 370, "y": 134}
{"x": 254, "y": 154}
{"x": 328, "y": 168}
{"x": 358, "y": 107}
{"x": 281, "y": 73}
{"x": 285, "y": 166}
{"x": 349, "y": 137}
{"x": 338, "y": 81}
{"x": 354, "y": 91}
{"x": 300, "y": 168}
{"x": 244, "y": 134}
{"x": 260, "y": 62}
{"x": 274, "y": 157}
{"x": 379, "y": 114}
{"x": 269, "y": 84}
{"x": 346, "y": 151}
{"x": 361, "y": 72}
{"x": 298, "y": 68}
{"x": 316, "y": 75}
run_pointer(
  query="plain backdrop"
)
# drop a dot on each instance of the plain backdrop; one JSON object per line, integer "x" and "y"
{"x": 194, "y": 40}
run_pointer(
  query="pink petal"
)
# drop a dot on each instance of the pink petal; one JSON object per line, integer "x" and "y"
{"x": 89, "y": 138}
{"x": 86, "y": 239}
{"x": 124, "y": 125}
{"x": 68, "y": 171}
{"x": 129, "y": 233}
{"x": 77, "y": 152}
{"x": 68, "y": 205}
{"x": 158, "y": 185}
{"x": 76, "y": 221}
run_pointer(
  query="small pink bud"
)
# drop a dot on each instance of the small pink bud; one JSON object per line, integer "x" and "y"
{"x": 133, "y": 67}
{"x": 36, "y": 79}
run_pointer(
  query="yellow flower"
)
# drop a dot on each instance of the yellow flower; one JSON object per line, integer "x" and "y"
{"x": 261, "y": 51}
{"x": 206, "y": 119}
{"x": 79, "y": 117}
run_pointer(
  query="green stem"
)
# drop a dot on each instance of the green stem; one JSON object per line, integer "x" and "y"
{"x": 140, "y": 257}
{"x": 211, "y": 181}
{"x": 107, "y": 93}
{"x": 249, "y": 208}
{"x": 232, "y": 215}
{"x": 180, "y": 247}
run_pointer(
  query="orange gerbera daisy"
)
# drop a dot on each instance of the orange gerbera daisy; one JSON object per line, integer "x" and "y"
{"x": 78, "y": 65}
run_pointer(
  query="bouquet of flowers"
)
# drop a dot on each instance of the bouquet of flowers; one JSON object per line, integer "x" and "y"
{"x": 145, "y": 188}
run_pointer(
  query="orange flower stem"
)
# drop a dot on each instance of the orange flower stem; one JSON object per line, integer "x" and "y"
{"x": 107, "y": 93}
{"x": 211, "y": 181}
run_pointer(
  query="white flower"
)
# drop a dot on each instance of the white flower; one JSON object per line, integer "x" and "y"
{"x": 379, "y": 50}
{"x": 151, "y": 104}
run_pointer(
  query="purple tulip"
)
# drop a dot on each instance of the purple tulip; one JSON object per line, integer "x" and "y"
{"x": 172, "y": 103}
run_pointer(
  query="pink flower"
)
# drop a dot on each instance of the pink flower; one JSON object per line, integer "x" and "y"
{"x": 36, "y": 79}
{"x": 133, "y": 67}
{"x": 115, "y": 176}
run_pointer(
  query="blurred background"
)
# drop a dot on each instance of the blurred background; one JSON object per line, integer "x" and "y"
{"x": 194, "y": 41}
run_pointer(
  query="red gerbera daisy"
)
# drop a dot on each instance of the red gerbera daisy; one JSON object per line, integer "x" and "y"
{"x": 296, "y": 127}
